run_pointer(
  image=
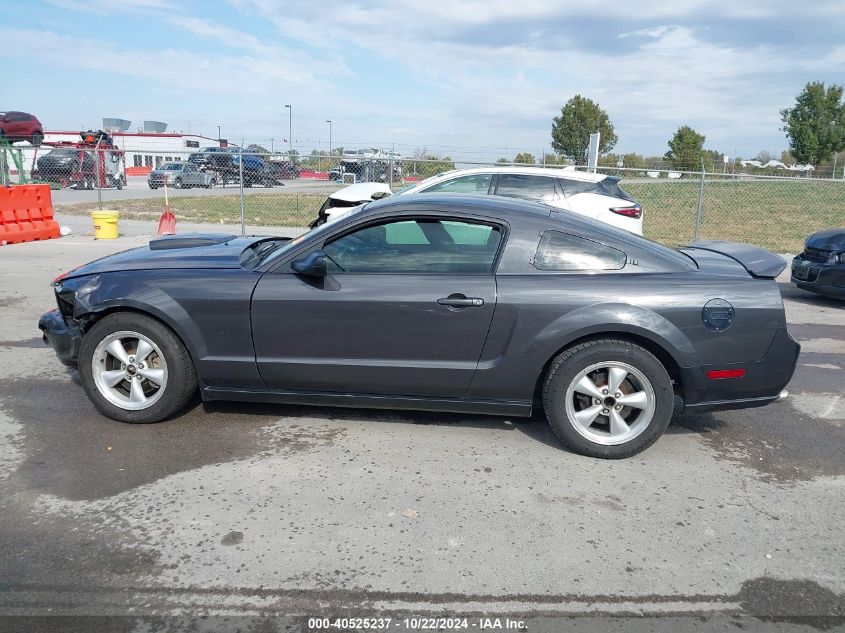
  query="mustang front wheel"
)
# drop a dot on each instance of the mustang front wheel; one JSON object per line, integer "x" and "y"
{"x": 135, "y": 369}
{"x": 608, "y": 398}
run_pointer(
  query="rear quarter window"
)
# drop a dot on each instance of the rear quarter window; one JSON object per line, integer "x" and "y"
{"x": 612, "y": 188}
{"x": 559, "y": 251}
{"x": 572, "y": 187}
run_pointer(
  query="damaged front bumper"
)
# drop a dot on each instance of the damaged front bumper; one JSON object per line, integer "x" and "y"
{"x": 63, "y": 338}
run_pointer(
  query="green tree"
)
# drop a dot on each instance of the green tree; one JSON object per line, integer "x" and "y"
{"x": 764, "y": 156}
{"x": 524, "y": 158}
{"x": 571, "y": 131}
{"x": 686, "y": 149}
{"x": 502, "y": 161}
{"x": 554, "y": 159}
{"x": 608, "y": 160}
{"x": 815, "y": 126}
{"x": 633, "y": 161}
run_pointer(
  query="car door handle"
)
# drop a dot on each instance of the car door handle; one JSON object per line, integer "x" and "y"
{"x": 461, "y": 302}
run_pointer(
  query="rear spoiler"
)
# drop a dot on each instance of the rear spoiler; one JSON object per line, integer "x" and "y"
{"x": 757, "y": 261}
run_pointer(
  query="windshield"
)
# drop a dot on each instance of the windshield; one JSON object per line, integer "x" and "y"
{"x": 170, "y": 167}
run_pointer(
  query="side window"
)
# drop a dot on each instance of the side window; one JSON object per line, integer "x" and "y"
{"x": 476, "y": 183}
{"x": 539, "y": 188}
{"x": 416, "y": 246}
{"x": 565, "y": 252}
{"x": 572, "y": 187}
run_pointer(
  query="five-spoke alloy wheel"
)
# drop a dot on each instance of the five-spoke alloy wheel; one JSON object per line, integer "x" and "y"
{"x": 129, "y": 370}
{"x": 608, "y": 398}
{"x": 135, "y": 369}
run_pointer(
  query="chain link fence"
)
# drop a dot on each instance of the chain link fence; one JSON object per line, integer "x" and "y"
{"x": 242, "y": 190}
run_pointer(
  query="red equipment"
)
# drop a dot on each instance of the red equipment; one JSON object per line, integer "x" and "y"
{"x": 99, "y": 163}
{"x": 167, "y": 221}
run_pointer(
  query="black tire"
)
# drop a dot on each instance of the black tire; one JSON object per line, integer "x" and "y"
{"x": 119, "y": 183}
{"x": 37, "y": 139}
{"x": 181, "y": 382}
{"x": 565, "y": 368}
{"x": 177, "y": 184}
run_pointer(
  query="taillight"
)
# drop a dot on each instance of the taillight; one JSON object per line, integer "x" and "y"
{"x": 633, "y": 211}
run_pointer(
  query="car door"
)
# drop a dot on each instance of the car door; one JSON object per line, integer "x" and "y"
{"x": 190, "y": 175}
{"x": 403, "y": 310}
{"x": 16, "y": 124}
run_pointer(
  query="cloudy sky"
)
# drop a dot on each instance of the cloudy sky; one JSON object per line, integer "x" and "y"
{"x": 468, "y": 78}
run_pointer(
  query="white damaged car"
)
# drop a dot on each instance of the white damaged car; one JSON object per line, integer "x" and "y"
{"x": 597, "y": 196}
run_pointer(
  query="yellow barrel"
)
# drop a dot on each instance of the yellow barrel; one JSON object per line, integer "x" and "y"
{"x": 105, "y": 224}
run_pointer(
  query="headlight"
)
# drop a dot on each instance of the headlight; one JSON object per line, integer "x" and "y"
{"x": 841, "y": 257}
{"x": 836, "y": 258}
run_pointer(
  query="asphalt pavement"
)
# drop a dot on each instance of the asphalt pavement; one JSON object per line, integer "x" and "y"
{"x": 244, "y": 512}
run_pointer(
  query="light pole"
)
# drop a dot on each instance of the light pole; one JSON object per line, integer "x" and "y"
{"x": 290, "y": 130}
{"x": 330, "y": 136}
{"x": 218, "y": 135}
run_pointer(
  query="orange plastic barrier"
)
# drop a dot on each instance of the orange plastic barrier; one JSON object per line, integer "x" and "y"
{"x": 26, "y": 214}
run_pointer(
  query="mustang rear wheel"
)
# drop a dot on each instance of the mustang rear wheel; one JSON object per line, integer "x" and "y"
{"x": 135, "y": 369}
{"x": 608, "y": 398}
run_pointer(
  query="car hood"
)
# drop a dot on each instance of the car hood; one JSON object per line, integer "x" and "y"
{"x": 828, "y": 240}
{"x": 165, "y": 172}
{"x": 361, "y": 192}
{"x": 190, "y": 250}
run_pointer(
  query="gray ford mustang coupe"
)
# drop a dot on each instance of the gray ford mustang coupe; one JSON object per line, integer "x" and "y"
{"x": 437, "y": 302}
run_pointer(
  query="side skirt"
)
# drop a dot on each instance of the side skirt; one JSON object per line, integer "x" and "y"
{"x": 517, "y": 408}
{"x": 727, "y": 405}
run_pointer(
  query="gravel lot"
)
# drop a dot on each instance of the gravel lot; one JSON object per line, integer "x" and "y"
{"x": 243, "y": 511}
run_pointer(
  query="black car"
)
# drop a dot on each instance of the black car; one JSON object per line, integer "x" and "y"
{"x": 61, "y": 163}
{"x": 440, "y": 302}
{"x": 215, "y": 158}
{"x": 820, "y": 268}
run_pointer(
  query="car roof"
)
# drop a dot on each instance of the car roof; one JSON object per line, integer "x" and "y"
{"x": 530, "y": 170}
{"x": 492, "y": 206}
{"x": 514, "y": 211}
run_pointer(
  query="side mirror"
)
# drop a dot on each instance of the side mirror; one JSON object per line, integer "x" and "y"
{"x": 313, "y": 264}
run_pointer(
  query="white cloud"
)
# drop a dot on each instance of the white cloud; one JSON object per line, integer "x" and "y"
{"x": 674, "y": 74}
{"x": 475, "y": 72}
{"x": 184, "y": 69}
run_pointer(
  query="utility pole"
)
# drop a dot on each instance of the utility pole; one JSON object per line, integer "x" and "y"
{"x": 219, "y": 140}
{"x": 330, "y": 136}
{"x": 290, "y": 130}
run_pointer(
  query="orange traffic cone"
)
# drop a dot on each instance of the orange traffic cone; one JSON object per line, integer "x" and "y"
{"x": 167, "y": 221}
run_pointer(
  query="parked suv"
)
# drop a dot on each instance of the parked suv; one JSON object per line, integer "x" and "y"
{"x": 21, "y": 126}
